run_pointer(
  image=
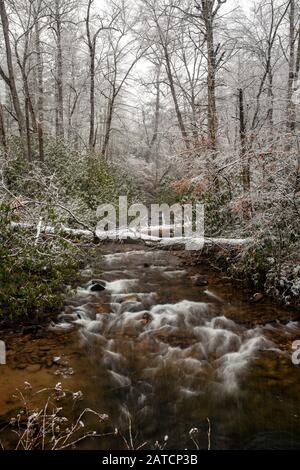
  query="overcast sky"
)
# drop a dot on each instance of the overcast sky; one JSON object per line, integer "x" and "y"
{"x": 246, "y": 4}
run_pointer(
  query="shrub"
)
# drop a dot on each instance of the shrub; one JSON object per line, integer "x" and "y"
{"x": 32, "y": 276}
{"x": 49, "y": 427}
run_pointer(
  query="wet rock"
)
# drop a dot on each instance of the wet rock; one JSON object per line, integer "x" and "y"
{"x": 103, "y": 309}
{"x": 41, "y": 334}
{"x": 65, "y": 373}
{"x": 98, "y": 287}
{"x": 129, "y": 298}
{"x": 257, "y": 298}
{"x": 200, "y": 281}
{"x": 49, "y": 363}
{"x": 147, "y": 318}
{"x": 29, "y": 351}
{"x": 32, "y": 368}
{"x": 35, "y": 359}
{"x": 32, "y": 329}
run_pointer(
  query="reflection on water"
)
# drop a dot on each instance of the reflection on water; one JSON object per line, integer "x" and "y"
{"x": 165, "y": 354}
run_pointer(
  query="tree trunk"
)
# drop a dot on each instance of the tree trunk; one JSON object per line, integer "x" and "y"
{"x": 28, "y": 133}
{"x": 29, "y": 108}
{"x": 2, "y": 129}
{"x": 154, "y": 138}
{"x": 59, "y": 76}
{"x": 246, "y": 177}
{"x": 211, "y": 74}
{"x": 271, "y": 102}
{"x": 243, "y": 139}
{"x": 175, "y": 100}
{"x": 11, "y": 82}
{"x": 108, "y": 127}
{"x": 92, "y": 52}
{"x": 40, "y": 88}
{"x": 291, "y": 111}
{"x": 156, "y": 117}
{"x": 28, "y": 97}
{"x": 92, "y": 140}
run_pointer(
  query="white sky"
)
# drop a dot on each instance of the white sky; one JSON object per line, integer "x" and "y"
{"x": 246, "y": 4}
{"x": 230, "y": 5}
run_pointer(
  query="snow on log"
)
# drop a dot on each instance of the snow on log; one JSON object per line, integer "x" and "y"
{"x": 48, "y": 229}
{"x": 195, "y": 244}
{"x": 172, "y": 243}
{"x": 164, "y": 243}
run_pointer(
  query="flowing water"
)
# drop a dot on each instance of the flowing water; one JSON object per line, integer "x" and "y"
{"x": 160, "y": 355}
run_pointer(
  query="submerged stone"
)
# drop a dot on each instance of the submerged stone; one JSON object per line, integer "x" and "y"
{"x": 257, "y": 297}
{"x": 32, "y": 368}
{"x": 200, "y": 281}
{"x": 98, "y": 287}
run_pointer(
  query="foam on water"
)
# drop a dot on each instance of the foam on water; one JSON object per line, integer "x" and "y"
{"x": 121, "y": 286}
{"x": 205, "y": 341}
{"x": 213, "y": 296}
{"x": 174, "y": 274}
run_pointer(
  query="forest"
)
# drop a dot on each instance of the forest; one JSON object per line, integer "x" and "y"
{"x": 164, "y": 102}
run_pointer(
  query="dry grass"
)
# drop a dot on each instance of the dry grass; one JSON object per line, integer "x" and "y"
{"x": 47, "y": 427}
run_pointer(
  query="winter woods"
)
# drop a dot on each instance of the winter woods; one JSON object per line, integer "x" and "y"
{"x": 211, "y": 75}
{"x": 163, "y": 99}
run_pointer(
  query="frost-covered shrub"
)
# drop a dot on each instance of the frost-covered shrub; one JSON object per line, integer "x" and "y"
{"x": 285, "y": 286}
{"x": 32, "y": 275}
{"x": 51, "y": 426}
{"x": 220, "y": 219}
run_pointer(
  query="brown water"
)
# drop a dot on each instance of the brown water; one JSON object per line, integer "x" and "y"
{"x": 158, "y": 352}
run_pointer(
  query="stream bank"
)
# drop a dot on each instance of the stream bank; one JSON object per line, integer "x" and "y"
{"x": 254, "y": 271}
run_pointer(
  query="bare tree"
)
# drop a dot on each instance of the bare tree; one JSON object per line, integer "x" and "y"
{"x": 293, "y": 64}
{"x": 92, "y": 38}
{"x": 123, "y": 55}
{"x": 206, "y": 17}
{"x": 60, "y": 13}
{"x": 2, "y": 128}
{"x": 208, "y": 10}
{"x": 40, "y": 77}
{"x": 10, "y": 79}
{"x": 162, "y": 17}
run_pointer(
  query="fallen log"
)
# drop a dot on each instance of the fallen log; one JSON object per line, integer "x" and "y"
{"x": 192, "y": 244}
{"x": 50, "y": 230}
{"x": 195, "y": 244}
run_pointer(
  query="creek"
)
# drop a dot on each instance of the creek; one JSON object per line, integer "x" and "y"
{"x": 159, "y": 353}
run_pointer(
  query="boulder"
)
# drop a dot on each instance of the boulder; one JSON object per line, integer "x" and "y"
{"x": 200, "y": 281}
{"x": 257, "y": 298}
{"x": 98, "y": 287}
{"x": 147, "y": 318}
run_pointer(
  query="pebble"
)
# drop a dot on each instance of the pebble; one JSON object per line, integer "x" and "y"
{"x": 257, "y": 297}
{"x": 44, "y": 348}
{"x": 200, "y": 281}
{"x": 33, "y": 368}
